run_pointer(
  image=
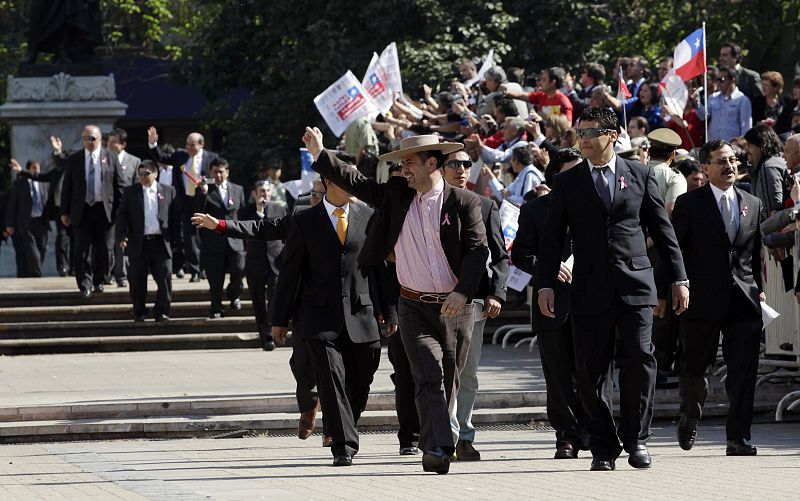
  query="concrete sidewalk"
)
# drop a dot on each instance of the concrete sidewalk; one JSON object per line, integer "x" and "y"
{"x": 517, "y": 464}
{"x": 100, "y": 377}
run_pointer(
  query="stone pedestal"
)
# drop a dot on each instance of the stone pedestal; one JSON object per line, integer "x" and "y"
{"x": 59, "y": 105}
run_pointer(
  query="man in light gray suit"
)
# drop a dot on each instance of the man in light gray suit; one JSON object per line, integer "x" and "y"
{"x": 126, "y": 171}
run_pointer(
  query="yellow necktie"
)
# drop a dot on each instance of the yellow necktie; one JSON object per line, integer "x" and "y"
{"x": 190, "y": 186}
{"x": 341, "y": 225}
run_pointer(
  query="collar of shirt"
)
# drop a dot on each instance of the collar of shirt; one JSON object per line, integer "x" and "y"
{"x": 612, "y": 164}
{"x": 223, "y": 186}
{"x": 434, "y": 192}
{"x": 163, "y": 167}
{"x": 199, "y": 157}
{"x": 94, "y": 154}
{"x": 120, "y": 156}
{"x": 329, "y": 208}
{"x": 718, "y": 194}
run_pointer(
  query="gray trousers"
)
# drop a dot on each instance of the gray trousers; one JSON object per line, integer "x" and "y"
{"x": 437, "y": 352}
{"x": 461, "y": 420}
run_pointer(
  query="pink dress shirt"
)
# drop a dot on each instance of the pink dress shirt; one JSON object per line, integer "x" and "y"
{"x": 421, "y": 263}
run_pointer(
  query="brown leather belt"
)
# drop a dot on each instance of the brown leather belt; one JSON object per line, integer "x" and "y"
{"x": 424, "y": 297}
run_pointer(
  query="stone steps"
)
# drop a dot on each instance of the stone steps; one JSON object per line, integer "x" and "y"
{"x": 107, "y": 311}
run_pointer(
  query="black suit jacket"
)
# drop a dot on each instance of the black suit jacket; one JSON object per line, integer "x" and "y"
{"x": 609, "y": 246}
{"x": 262, "y": 255}
{"x": 130, "y": 218}
{"x": 463, "y": 241}
{"x": 749, "y": 82}
{"x": 212, "y": 203}
{"x": 178, "y": 160}
{"x": 495, "y": 284}
{"x": 20, "y": 203}
{"x": 526, "y": 246}
{"x": 73, "y": 190}
{"x": 334, "y": 287}
{"x": 715, "y": 266}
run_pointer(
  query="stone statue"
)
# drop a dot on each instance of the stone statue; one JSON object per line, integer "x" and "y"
{"x": 70, "y": 29}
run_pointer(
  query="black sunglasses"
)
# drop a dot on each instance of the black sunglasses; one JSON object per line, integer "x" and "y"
{"x": 91, "y": 139}
{"x": 455, "y": 164}
{"x": 592, "y": 132}
{"x": 144, "y": 173}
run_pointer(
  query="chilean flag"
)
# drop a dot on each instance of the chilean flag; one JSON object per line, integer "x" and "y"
{"x": 690, "y": 56}
{"x": 622, "y": 89}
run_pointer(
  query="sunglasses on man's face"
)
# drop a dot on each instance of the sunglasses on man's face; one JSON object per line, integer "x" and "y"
{"x": 144, "y": 173}
{"x": 722, "y": 79}
{"x": 455, "y": 164}
{"x": 592, "y": 132}
{"x": 91, "y": 139}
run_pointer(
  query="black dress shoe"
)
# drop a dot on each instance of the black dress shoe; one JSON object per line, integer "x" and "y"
{"x": 122, "y": 283}
{"x": 566, "y": 451}
{"x": 99, "y": 288}
{"x": 639, "y": 457}
{"x": 160, "y": 317}
{"x": 687, "y": 432}
{"x": 215, "y": 314}
{"x": 194, "y": 278}
{"x": 740, "y": 447}
{"x": 138, "y": 318}
{"x": 86, "y": 293}
{"x": 409, "y": 450}
{"x": 603, "y": 465}
{"x": 268, "y": 344}
{"x": 107, "y": 281}
{"x": 236, "y": 304}
{"x": 345, "y": 459}
{"x": 62, "y": 272}
{"x": 180, "y": 274}
{"x": 202, "y": 275}
{"x": 436, "y": 460}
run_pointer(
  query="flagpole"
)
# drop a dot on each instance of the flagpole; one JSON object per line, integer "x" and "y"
{"x": 705, "y": 80}
{"x": 624, "y": 111}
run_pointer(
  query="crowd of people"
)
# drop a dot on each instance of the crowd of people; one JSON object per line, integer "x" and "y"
{"x": 643, "y": 239}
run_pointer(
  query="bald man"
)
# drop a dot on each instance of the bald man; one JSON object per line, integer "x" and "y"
{"x": 90, "y": 194}
{"x": 190, "y": 166}
{"x": 791, "y": 152}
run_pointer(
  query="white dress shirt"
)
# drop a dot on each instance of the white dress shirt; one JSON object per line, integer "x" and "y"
{"x": 165, "y": 175}
{"x": 611, "y": 174}
{"x": 150, "y": 195}
{"x": 98, "y": 184}
{"x": 223, "y": 193}
{"x": 329, "y": 208}
{"x": 732, "y": 197}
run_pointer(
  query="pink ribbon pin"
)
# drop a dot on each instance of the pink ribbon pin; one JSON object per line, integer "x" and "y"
{"x": 160, "y": 196}
{"x": 446, "y": 220}
{"x": 230, "y": 201}
{"x": 622, "y": 183}
{"x": 743, "y": 211}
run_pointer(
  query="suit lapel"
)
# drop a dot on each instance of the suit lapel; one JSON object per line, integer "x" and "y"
{"x": 745, "y": 214}
{"x": 354, "y": 222}
{"x": 621, "y": 171}
{"x": 448, "y": 215}
{"x": 162, "y": 203}
{"x": 585, "y": 182}
{"x": 325, "y": 221}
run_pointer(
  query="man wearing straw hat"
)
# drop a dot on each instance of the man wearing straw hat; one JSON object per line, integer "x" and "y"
{"x": 436, "y": 235}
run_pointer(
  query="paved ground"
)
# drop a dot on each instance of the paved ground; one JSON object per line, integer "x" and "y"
{"x": 516, "y": 464}
{"x": 96, "y": 377}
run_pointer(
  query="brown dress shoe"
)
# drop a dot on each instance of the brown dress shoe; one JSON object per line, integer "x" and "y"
{"x": 466, "y": 452}
{"x": 566, "y": 451}
{"x": 307, "y": 420}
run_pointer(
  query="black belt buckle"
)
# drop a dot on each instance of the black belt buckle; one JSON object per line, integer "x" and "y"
{"x": 154, "y": 236}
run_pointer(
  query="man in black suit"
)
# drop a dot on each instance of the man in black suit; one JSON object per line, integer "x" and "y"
{"x": 436, "y": 234}
{"x": 26, "y": 222}
{"x": 190, "y": 167}
{"x": 606, "y": 202}
{"x": 90, "y": 194}
{"x": 320, "y": 264}
{"x": 718, "y": 228}
{"x": 128, "y": 164}
{"x": 554, "y": 335}
{"x": 747, "y": 81}
{"x": 147, "y": 221}
{"x": 489, "y": 300}
{"x": 219, "y": 254}
{"x": 261, "y": 260}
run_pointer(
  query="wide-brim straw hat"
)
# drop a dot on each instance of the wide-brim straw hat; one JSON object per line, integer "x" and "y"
{"x": 415, "y": 144}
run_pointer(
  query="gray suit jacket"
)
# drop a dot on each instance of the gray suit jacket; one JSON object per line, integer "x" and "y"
{"x": 127, "y": 169}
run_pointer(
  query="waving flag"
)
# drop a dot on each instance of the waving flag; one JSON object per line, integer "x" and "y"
{"x": 690, "y": 56}
{"x": 622, "y": 89}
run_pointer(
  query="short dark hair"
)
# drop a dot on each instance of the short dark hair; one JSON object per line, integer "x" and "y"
{"x": 710, "y": 147}
{"x": 521, "y": 154}
{"x": 596, "y": 72}
{"x": 122, "y": 135}
{"x": 445, "y": 99}
{"x": 765, "y": 138}
{"x": 167, "y": 149}
{"x": 688, "y": 166}
{"x": 30, "y": 163}
{"x": 606, "y": 118}
{"x": 556, "y": 73}
{"x": 712, "y": 71}
{"x": 147, "y": 164}
{"x": 736, "y": 50}
{"x": 507, "y": 107}
{"x": 258, "y": 184}
{"x": 730, "y": 71}
{"x": 220, "y": 162}
{"x": 641, "y": 123}
{"x": 557, "y": 160}
{"x": 438, "y": 155}
{"x": 394, "y": 167}
{"x": 516, "y": 75}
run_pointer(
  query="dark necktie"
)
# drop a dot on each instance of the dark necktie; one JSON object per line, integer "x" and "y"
{"x": 90, "y": 194}
{"x": 727, "y": 217}
{"x": 601, "y": 183}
